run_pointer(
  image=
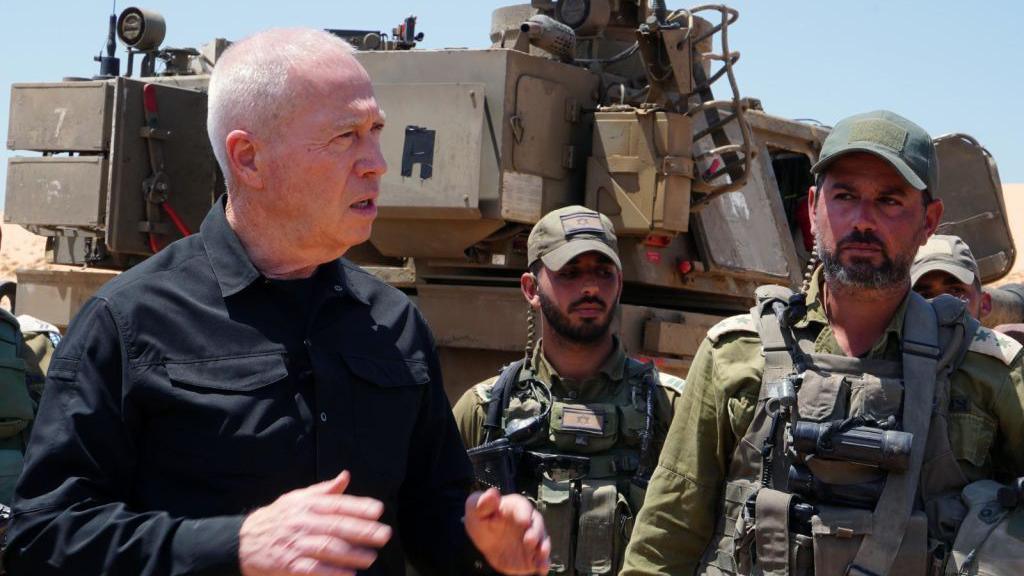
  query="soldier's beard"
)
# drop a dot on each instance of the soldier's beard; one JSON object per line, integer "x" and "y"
{"x": 860, "y": 272}
{"x": 588, "y": 331}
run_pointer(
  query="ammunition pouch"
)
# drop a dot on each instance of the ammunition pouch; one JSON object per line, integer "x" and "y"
{"x": 557, "y": 505}
{"x": 588, "y": 522}
{"x": 595, "y": 547}
{"x": 838, "y": 533}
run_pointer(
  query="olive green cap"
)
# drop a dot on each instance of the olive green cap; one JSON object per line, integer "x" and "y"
{"x": 948, "y": 254}
{"x": 564, "y": 234}
{"x": 891, "y": 137}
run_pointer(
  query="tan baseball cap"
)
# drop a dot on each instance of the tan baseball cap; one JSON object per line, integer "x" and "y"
{"x": 948, "y": 254}
{"x": 564, "y": 234}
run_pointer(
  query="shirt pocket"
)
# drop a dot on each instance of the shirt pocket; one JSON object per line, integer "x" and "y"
{"x": 236, "y": 416}
{"x": 241, "y": 374}
{"x": 387, "y": 394}
{"x": 971, "y": 436}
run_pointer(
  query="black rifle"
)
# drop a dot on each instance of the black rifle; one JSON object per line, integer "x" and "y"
{"x": 505, "y": 465}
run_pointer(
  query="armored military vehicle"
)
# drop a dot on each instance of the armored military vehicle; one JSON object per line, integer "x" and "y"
{"x": 622, "y": 105}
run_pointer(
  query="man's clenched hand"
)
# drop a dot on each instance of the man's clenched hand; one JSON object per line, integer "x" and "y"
{"x": 314, "y": 530}
{"x": 509, "y": 532}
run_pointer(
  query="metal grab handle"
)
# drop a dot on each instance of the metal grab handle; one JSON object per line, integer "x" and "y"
{"x": 738, "y": 166}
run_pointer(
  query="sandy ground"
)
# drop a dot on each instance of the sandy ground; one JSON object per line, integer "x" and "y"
{"x": 1013, "y": 194}
{"x": 22, "y": 249}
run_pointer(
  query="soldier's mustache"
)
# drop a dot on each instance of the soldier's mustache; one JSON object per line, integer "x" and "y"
{"x": 858, "y": 237}
{"x": 588, "y": 300}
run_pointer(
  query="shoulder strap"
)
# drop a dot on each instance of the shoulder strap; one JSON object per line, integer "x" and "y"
{"x": 778, "y": 348}
{"x": 501, "y": 394}
{"x": 779, "y": 362}
{"x": 920, "y": 365}
{"x": 994, "y": 344}
{"x": 649, "y": 381}
{"x": 739, "y": 323}
{"x": 957, "y": 329}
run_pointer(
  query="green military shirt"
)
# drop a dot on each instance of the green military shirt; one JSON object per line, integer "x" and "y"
{"x": 471, "y": 409}
{"x": 682, "y": 504}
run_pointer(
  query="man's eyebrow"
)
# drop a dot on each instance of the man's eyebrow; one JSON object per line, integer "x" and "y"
{"x": 357, "y": 119}
{"x": 843, "y": 186}
{"x": 894, "y": 191}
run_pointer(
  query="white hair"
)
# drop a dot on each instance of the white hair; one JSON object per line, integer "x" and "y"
{"x": 249, "y": 88}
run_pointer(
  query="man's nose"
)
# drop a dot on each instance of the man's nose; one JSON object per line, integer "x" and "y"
{"x": 864, "y": 215}
{"x": 372, "y": 162}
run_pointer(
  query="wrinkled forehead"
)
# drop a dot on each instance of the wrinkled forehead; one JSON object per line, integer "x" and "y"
{"x": 331, "y": 77}
{"x": 341, "y": 94}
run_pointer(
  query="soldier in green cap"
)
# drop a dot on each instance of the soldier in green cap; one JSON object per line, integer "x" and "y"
{"x": 945, "y": 265}
{"x": 586, "y": 421}
{"x": 853, "y": 428}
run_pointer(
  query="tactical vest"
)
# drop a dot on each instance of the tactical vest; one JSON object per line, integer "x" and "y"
{"x": 846, "y": 466}
{"x": 589, "y": 517}
{"x": 17, "y": 408}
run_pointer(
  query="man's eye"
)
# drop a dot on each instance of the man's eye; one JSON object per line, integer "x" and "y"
{"x": 889, "y": 201}
{"x": 378, "y": 128}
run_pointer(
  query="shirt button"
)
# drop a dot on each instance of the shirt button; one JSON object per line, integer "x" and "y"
{"x": 323, "y": 416}
{"x": 337, "y": 287}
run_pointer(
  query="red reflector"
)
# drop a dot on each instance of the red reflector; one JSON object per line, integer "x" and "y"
{"x": 657, "y": 240}
{"x": 653, "y": 257}
{"x": 685, "y": 267}
{"x": 149, "y": 98}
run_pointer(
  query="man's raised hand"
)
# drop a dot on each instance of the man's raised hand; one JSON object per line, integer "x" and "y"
{"x": 315, "y": 530}
{"x": 509, "y": 532}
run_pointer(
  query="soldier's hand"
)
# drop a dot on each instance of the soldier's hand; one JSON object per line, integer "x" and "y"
{"x": 314, "y": 530}
{"x": 509, "y": 532}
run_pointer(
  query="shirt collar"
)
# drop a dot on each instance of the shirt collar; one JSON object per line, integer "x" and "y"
{"x": 612, "y": 368}
{"x": 231, "y": 263}
{"x": 354, "y": 281}
{"x": 816, "y": 312}
{"x": 235, "y": 271}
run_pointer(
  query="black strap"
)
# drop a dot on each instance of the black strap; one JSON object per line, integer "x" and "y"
{"x": 501, "y": 394}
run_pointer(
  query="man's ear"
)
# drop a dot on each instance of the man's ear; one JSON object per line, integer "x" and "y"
{"x": 242, "y": 155}
{"x": 812, "y": 202}
{"x": 986, "y": 303}
{"x": 932, "y": 218}
{"x": 528, "y": 284}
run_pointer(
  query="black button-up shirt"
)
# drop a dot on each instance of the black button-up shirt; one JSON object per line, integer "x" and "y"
{"x": 191, "y": 390}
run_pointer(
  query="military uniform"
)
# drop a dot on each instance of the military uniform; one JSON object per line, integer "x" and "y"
{"x": 682, "y": 527}
{"x": 609, "y": 495}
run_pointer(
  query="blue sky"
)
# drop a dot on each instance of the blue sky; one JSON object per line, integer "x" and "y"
{"x": 949, "y": 66}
